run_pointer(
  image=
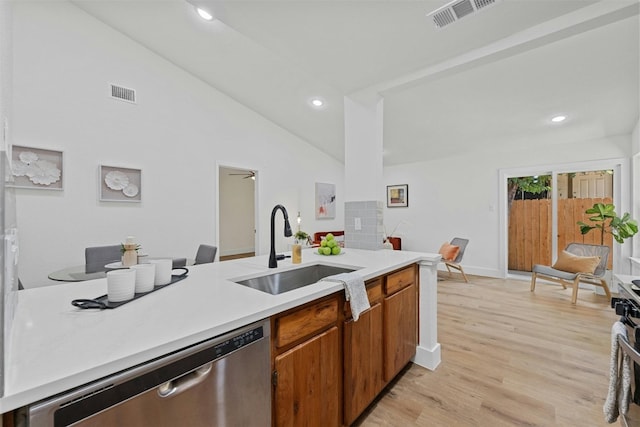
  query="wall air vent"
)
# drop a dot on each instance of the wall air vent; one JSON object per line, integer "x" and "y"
{"x": 457, "y": 9}
{"x": 122, "y": 93}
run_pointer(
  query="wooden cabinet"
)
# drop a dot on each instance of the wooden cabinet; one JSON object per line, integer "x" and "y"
{"x": 327, "y": 368}
{"x": 307, "y": 366}
{"x": 308, "y": 383}
{"x": 400, "y": 330}
{"x": 363, "y": 356}
{"x": 400, "y": 320}
{"x": 305, "y": 321}
{"x": 399, "y": 279}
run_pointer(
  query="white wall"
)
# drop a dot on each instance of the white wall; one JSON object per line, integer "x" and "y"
{"x": 6, "y": 70}
{"x": 635, "y": 184}
{"x": 179, "y": 130}
{"x": 458, "y": 196}
{"x": 635, "y": 139}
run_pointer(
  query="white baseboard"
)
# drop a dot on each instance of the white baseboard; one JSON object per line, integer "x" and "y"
{"x": 428, "y": 358}
{"x": 476, "y": 271}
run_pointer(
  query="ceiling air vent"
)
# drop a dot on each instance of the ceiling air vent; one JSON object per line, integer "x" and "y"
{"x": 123, "y": 94}
{"x": 457, "y": 9}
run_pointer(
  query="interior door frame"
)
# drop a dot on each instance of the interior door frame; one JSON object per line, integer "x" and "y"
{"x": 621, "y": 199}
{"x": 256, "y": 205}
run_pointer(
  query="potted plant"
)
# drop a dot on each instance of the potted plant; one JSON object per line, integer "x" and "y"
{"x": 606, "y": 220}
{"x": 301, "y": 237}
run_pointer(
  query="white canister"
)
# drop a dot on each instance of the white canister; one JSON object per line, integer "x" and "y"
{"x": 163, "y": 270}
{"x": 121, "y": 285}
{"x": 145, "y": 277}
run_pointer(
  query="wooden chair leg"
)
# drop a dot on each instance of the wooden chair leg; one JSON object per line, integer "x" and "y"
{"x": 606, "y": 288}
{"x": 533, "y": 281}
{"x": 448, "y": 269}
{"x": 463, "y": 275}
{"x": 574, "y": 295}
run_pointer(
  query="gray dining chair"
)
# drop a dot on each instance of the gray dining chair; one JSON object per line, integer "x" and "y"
{"x": 206, "y": 254}
{"x": 96, "y": 257}
{"x": 178, "y": 262}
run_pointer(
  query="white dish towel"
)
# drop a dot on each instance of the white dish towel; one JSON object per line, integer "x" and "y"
{"x": 619, "y": 377}
{"x": 354, "y": 291}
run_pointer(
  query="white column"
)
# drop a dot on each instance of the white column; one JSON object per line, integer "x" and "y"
{"x": 363, "y": 150}
{"x": 428, "y": 351}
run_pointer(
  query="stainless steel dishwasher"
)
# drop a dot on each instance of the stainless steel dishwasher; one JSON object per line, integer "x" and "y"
{"x": 221, "y": 382}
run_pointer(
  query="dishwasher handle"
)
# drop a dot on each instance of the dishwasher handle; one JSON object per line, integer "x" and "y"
{"x": 184, "y": 382}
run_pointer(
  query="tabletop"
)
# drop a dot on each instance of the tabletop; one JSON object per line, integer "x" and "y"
{"x": 79, "y": 273}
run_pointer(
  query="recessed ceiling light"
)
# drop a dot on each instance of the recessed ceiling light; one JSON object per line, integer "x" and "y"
{"x": 317, "y": 102}
{"x": 558, "y": 119}
{"x": 204, "y": 14}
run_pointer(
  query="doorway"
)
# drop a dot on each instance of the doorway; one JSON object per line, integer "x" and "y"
{"x": 541, "y": 218}
{"x": 237, "y": 212}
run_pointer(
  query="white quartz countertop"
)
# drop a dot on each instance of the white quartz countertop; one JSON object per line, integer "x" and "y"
{"x": 55, "y": 346}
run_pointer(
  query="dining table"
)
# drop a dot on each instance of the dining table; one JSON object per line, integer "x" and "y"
{"x": 80, "y": 273}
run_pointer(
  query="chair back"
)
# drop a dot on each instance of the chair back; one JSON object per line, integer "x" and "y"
{"x": 206, "y": 254}
{"x": 584, "y": 249}
{"x": 96, "y": 257}
{"x": 462, "y": 244}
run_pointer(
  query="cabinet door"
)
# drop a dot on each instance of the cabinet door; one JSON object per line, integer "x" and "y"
{"x": 400, "y": 330}
{"x": 308, "y": 383}
{"x": 363, "y": 362}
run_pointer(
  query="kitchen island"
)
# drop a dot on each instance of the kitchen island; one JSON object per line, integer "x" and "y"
{"x": 56, "y": 347}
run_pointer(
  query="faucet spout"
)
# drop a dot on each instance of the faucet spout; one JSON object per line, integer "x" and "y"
{"x": 273, "y": 263}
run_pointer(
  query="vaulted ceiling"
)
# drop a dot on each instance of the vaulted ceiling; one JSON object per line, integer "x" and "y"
{"x": 493, "y": 79}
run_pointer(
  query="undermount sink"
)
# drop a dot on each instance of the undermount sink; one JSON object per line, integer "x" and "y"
{"x": 285, "y": 281}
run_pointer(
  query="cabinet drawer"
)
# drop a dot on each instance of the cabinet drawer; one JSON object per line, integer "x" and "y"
{"x": 400, "y": 279}
{"x": 374, "y": 293}
{"x": 306, "y": 321}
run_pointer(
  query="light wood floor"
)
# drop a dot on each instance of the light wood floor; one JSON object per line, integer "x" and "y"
{"x": 509, "y": 358}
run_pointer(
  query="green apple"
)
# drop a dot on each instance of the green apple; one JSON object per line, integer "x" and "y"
{"x": 332, "y": 244}
{"x": 320, "y": 251}
{"x": 329, "y": 236}
{"x": 335, "y": 250}
{"x": 323, "y": 243}
{"x": 326, "y": 251}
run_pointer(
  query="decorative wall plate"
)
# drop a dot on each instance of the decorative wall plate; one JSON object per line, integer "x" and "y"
{"x": 130, "y": 190}
{"x": 116, "y": 180}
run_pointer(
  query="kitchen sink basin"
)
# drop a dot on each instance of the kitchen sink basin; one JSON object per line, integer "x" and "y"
{"x": 285, "y": 281}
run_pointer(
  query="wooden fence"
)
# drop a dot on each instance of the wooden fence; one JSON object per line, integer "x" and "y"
{"x": 530, "y": 230}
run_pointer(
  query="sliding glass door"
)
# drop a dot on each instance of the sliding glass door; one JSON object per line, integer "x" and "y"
{"x": 529, "y": 216}
{"x": 543, "y": 211}
{"x": 577, "y": 192}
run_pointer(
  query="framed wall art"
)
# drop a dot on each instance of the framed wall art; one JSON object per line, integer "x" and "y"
{"x": 325, "y": 201}
{"x": 37, "y": 168}
{"x": 118, "y": 184}
{"x": 398, "y": 196}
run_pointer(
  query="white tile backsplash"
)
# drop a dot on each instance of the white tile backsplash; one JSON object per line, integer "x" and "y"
{"x": 371, "y": 221}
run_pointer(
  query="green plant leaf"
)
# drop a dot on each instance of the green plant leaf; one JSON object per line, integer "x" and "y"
{"x": 619, "y": 227}
{"x": 584, "y": 228}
